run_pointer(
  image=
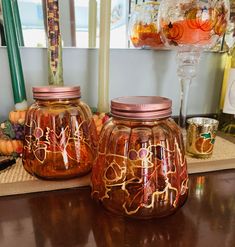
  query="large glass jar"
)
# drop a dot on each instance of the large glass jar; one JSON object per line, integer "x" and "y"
{"x": 60, "y": 135}
{"x": 141, "y": 169}
{"x": 143, "y": 29}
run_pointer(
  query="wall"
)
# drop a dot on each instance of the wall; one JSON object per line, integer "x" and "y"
{"x": 132, "y": 72}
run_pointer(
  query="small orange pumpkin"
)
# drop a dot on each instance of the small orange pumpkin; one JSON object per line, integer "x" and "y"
{"x": 174, "y": 31}
{"x": 17, "y": 117}
{"x": 10, "y": 147}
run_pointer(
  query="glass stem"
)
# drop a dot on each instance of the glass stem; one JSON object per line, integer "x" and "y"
{"x": 185, "y": 85}
{"x": 187, "y": 67}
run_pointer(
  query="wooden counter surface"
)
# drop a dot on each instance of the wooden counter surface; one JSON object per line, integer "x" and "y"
{"x": 70, "y": 218}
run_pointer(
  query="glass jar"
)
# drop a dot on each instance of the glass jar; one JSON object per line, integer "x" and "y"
{"x": 143, "y": 29}
{"x": 141, "y": 169}
{"x": 60, "y": 135}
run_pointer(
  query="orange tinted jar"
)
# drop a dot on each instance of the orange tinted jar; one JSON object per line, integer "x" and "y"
{"x": 60, "y": 135}
{"x": 141, "y": 169}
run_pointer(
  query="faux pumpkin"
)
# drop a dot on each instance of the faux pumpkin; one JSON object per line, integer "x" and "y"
{"x": 10, "y": 147}
{"x": 17, "y": 117}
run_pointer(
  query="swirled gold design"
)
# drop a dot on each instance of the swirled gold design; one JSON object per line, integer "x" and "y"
{"x": 48, "y": 141}
{"x": 145, "y": 177}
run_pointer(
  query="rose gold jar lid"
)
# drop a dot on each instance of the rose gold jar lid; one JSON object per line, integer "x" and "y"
{"x": 141, "y": 107}
{"x": 55, "y": 92}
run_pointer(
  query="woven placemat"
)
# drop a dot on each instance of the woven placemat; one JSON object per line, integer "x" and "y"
{"x": 223, "y": 157}
{"x": 15, "y": 180}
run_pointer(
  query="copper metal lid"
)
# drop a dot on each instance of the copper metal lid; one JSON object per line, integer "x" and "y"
{"x": 141, "y": 107}
{"x": 55, "y": 92}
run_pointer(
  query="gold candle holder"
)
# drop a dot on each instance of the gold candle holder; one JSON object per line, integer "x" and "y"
{"x": 201, "y": 133}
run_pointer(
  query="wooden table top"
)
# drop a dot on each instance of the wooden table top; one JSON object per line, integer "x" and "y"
{"x": 71, "y": 218}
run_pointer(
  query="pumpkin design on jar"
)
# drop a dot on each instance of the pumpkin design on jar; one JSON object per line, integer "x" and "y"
{"x": 141, "y": 169}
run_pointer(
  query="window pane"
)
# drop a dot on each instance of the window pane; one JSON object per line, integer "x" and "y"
{"x": 31, "y": 14}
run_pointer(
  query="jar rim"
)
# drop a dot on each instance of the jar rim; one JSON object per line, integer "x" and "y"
{"x": 56, "y": 92}
{"x": 141, "y": 107}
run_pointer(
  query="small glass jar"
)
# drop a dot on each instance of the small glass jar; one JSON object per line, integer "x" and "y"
{"x": 141, "y": 169}
{"x": 143, "y": 29}
{"x": 60, "y": 135}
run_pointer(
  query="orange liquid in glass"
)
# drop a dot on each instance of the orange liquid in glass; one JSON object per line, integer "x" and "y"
{"x": 182, "y": 33}
{"x": 195, "y": 31}
{"x": 146, "y": 35}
